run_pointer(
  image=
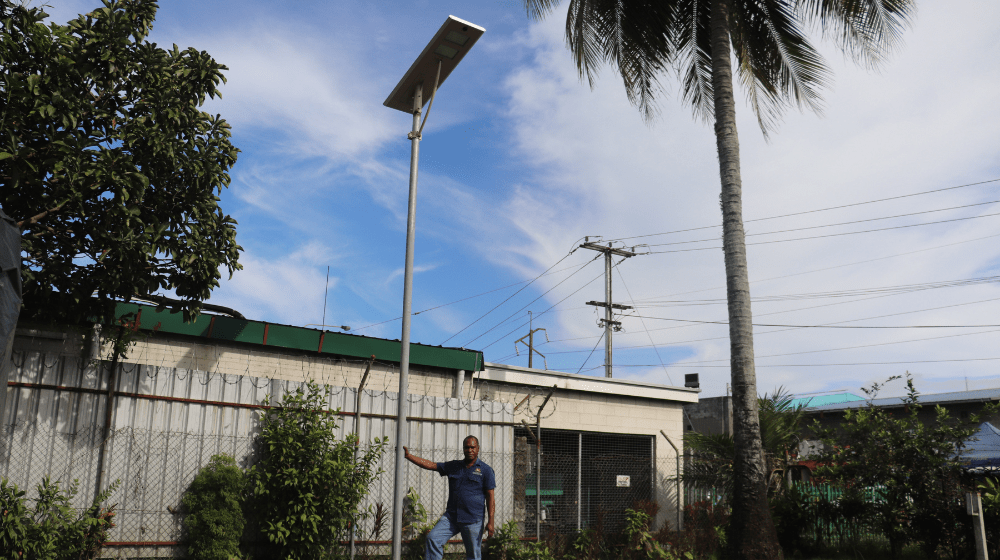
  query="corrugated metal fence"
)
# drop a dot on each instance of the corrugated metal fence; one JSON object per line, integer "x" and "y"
{"x": 168, "y": 422}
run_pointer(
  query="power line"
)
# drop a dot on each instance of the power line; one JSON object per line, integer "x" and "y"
{"x": 551, "y": 307}
{"x": 468, "y": 298}
{"x": 643, "y": 323}
{"x": 814, "y": 211}
{"x": 840, "y": 349}
{"x": 694, "y": 362}
{"x": 836, "y": 224}
{"x": 899, "y": 288}
{"x": 829, "y": 326}
{"x": 591, "y": 353}
{"x": 830, "y": 365}
{"x": 514, "y": 314}
{"x": 495, "y": 307}
{"x": 816, "y": 236}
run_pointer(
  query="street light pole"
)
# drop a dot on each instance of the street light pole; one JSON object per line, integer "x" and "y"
{"x": 438, "y": 59}
{"x": 403, "y": 404}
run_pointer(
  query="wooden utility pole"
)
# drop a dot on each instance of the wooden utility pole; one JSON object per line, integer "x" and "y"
{"x": 531, "y": 343}
{"x": 608, "y": 322}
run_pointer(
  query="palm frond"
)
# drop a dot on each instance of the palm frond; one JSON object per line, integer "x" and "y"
{"x": 537, "y": 9}
{"x": 867, "y": 31}
{"x": 775, "y": 62}
{"x": 689, "y": 28}
{"x": 630, "y": 36}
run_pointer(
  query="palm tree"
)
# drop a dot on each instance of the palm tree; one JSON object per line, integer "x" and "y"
{"x": 780, "y": 431}
{"x": 777, "y": 65}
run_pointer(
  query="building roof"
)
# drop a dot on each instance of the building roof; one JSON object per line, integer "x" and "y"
{"x": 982, "y": 449}
{"x": 820, "y": 400}
{"x": 518, "y": 375}
{"x": 222, "y": 328}
{"x": 976, "y": 396}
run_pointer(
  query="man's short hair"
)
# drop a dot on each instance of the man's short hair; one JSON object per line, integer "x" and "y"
{"x": 467, "y": 438}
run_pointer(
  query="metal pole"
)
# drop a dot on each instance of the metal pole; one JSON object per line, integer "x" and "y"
{"x": 607, "y": 313}
{"x": 677, "y": 474}
{"x": 538, "y": 478}
{"x": 357, "y": 431}
{"x": 579, "y": 479}
{"x": 531, "y": 340}
{"x": 404, "y": 356}
{"x": 538, "y": 462}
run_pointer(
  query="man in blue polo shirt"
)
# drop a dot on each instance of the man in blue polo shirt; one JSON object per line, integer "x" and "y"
{"x": 470, "y": 495}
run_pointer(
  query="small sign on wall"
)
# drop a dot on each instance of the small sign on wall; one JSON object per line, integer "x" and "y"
{"x": 624, "y": 481}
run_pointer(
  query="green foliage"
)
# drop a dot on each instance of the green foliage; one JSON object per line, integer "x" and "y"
{"x": 780, "y": 426}
{"x": 414, "y": 515}
{"x": 641, "y": 543}
{"x": 107, "y": 162}
{"x": 53, "y": 529}
{"x": 415, "y": 526}
{"x": 307, "y": 486}
{"x": 911, "y": 464}
{"x": 213, "y": 510}
{"x": 506, "y": 545}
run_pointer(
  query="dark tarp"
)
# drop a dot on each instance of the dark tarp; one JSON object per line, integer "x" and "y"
{"x": 982, "y": 449}
{"x": 10, "y": 298}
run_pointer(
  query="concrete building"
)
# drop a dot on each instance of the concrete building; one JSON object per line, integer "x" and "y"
{"x": 604, "y": 441}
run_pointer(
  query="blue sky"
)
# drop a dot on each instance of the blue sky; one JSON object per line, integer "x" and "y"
{"x": 520, "y": 161}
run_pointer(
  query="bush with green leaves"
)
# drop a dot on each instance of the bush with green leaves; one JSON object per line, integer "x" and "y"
{"x": 307, "y": 486}
{"x": 53, "y": 529}
{"x": 213, "y": 510}
{"x": 912, "y": 465}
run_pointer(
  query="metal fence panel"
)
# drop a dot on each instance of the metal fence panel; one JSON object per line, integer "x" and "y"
{"x": 168, "y": 422}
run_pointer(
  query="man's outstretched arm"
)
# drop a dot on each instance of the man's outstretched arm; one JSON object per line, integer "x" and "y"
{"x": 419, "y": 461}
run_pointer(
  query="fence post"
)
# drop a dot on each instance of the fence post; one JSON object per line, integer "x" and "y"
{"x": 677, "y": 474}
{"x": 974, "y": 507}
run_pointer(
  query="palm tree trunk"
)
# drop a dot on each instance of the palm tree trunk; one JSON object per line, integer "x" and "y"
{"x": 751, "y": 532}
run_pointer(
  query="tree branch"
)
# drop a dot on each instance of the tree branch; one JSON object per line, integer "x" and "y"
{"x": 37, "y": 217}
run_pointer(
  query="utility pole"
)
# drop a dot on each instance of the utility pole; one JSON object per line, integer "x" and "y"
{"x": 531, "y": 343}
{"x": 609, "y": 323}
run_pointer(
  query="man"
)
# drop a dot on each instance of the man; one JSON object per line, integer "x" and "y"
{"x": 470, "y": 486}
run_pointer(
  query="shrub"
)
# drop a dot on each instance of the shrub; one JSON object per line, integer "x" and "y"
{"x": 307, "y": 485}
{"x": 213, "y": 510}
{"x": 53, "y": 529}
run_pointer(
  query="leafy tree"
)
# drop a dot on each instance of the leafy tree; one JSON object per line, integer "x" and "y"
{"x": 107, "y": 163}
{"x": 307, "y": 485}
{"x": 777, "y": 65}
{"x": 213, "y": 510}
{"x": 913, "y": 466}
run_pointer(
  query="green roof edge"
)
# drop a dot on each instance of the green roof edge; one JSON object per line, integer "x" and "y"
{"x": 221, "y": 327}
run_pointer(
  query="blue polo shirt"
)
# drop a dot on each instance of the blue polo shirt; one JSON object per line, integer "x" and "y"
{"x": 467, "y": 489}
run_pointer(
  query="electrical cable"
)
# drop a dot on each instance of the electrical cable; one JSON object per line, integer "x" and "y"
{"x": 815, "y": 236}
{"x": 834, "y": 225}
{"x": 824, "y": 269}
{"x": 552, "y": 306}
{"x": 591, "y": 353}
{"x": 467, "y": 298}
{"x": 900, "y": 288}
{"x": 817, "y": 210}
{"x": 829, "y": 326}
{"x": 830, "y": 365}
{"x": 643, "y": 323}
{"x": 516, "y": 313}
{"x": 687, "y": 362}
{"x": 512, "y": 295}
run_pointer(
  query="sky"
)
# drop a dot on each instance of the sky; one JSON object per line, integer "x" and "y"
{"x": 521, "y": 160}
